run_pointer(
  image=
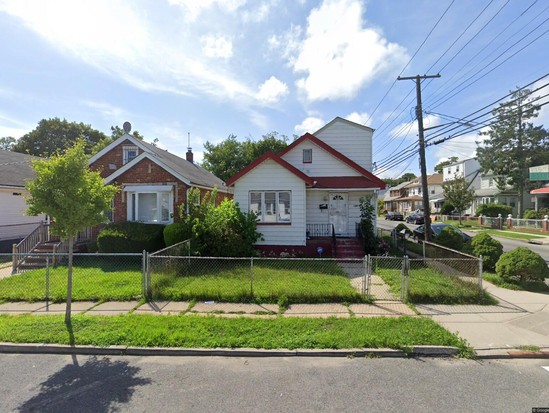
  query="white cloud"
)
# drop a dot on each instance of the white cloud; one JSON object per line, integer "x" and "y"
{"x": 463, "y": 147}
{"x": 339, "y": 56}
{"x": 287, "y": 44}
{"x": 272, "y": 90}
{"x": 409, "y": 129}
{"x": 10, "y": 126}
{"x": 258, "y": 14}
{"x": 216, "y": 46}
{"x": 110, "y": 112}
{"x": 128, "y": 47}
{"x": 356, "y": 117}
{"x": 194, "y": 8}
{"x": 310, "y": 124}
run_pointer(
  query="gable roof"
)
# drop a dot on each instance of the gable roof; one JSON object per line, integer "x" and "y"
{"x": 188, "y": 172}
{"x": 15, "y": 168}
{"x": 341, "y": 120}
{"x": 270, "y": 156}
{"x": 335, "y": 153}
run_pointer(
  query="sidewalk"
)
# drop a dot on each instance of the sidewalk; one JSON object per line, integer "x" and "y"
{"x": 520, "y": 319}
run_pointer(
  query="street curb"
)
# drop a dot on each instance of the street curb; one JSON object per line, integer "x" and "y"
{"x": 416, "y": 351}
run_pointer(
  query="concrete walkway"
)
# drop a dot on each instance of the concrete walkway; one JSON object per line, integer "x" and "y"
{"x": 386, "y": 308}
{"x": 520, "y": 319}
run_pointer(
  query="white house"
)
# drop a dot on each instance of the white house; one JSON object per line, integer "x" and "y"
{"x": 15, "y": 170}
{"x": 312, "y": 188}
{"x": 468, "y": 169}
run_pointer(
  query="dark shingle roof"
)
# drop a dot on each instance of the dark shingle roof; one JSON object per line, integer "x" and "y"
{"x": 15, "y": 168}
{"x": 192, "y": 171}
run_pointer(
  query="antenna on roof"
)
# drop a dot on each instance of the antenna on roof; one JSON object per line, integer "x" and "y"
{"x": 189, "y": 140}
{"x": 189, "y": 154}
{"x": 127, "y": 126}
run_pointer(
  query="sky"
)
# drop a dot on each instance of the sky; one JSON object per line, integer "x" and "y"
{"x": 212, "y": 68}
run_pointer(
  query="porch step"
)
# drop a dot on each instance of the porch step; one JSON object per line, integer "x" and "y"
{"x": 349, "y": 248}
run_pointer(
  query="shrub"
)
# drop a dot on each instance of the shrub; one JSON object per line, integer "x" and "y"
{"x": 493, "y": 210}
{"x": 401, "y": 227}
{"x": 522, "y": 264}
{"x": 533, "y": 214}
{"x": 176, "y": 232}
{"x": 446, "y": 208}
{"x": 449, "y": 237}
{"x": 367, "y": 219}
{"x": 131, "y": 237}
{"x": 490, "y": 249}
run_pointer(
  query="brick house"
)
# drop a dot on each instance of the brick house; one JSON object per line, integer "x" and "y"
{"x": 152, "y": 181}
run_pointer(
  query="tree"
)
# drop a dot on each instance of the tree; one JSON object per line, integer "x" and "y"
{"x": 73, "y": 196}
{"x": 367, "y": 219}
{"x": 7, "y": 143}
{"x": 230, "y": 156}
{"x": 512, "y": 144}
{"x": 407, "y": 177}
{"x": 52, "y": 135}
{"x": 439, "y": 167}
{"x": 458, "y": 194}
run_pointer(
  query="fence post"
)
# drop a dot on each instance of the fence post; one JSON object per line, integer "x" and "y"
{"x": 480, "y": 273}
{"x": 365, "y": 272}
{"x": 47, "y": 283}
{"x": 14, "y": 258}
{"x": 252, "y": 276}
{"x": 405, "y": 278}
{"x": 143, "y": 272}
{"x": 423, "y": 244}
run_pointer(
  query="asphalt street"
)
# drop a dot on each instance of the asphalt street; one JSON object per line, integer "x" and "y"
{"x": 52, "y": 383}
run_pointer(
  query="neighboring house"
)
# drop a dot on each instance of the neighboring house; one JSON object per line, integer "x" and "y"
{"x": 153, "y": 182}
{"x": 470, "y": 170}
{"x": 15, "y": 171}
{"x": 407, "y": 196}
{"x": 540, "y": 196}
{"x": 313, "y": 185}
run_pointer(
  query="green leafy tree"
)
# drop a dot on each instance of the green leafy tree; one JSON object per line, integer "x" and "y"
{"x": 409, "y": 176}
{"x": 512, "y": 143}
{"x": 230, "y": 156}
{"x": 458, "y": 193}
{"x": 490, "y": 249}
{"x": 439, "y": 167}
{"x": 493, "y": 210}
{"x": 73, "y": 196}
{"x": 53, "y": 135}
{"x": 7, "y": 143}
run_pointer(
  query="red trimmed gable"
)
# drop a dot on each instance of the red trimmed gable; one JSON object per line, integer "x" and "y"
{"x": 338, "y": 155}
{"x": 269, "y": 155}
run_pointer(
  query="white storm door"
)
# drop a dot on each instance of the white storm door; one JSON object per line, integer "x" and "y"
{"x": 338, "y": 212}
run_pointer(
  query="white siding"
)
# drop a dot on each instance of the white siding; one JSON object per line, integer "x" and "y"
{"x": 317, "y": 216}
{"x": 13, "y": 209}
{"x": 352, "y": 141}
{"x": 271, "y": 176}
{"x": 323, "y": 164}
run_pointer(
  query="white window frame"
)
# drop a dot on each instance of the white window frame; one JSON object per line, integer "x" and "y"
{"x": 126, "y": 151}
{"x": 132, "y": 195}
{"x": 275, "y": 217}
{"x": 307, "y": 156}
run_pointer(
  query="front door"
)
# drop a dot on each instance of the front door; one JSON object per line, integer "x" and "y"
{"x": 338, "y": 212}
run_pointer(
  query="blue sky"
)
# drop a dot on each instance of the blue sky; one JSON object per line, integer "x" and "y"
{"x": 213, "y": 68}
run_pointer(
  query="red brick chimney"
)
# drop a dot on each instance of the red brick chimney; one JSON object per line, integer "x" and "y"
{"x": 190, "y": 155}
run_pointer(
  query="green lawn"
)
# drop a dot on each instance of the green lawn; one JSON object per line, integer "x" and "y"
{"x": 429, "y": 285}
{"x": 190, "y": 331}
{"x": 532, "y": 286}
{"x": 219, "y": 280}
{"x": 511, "y": 234}
{"x": 95, "y": 278}
{"x": 268, "y": 282}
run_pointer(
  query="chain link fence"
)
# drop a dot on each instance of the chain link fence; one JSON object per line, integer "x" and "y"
{"x": 43, "y": 277}
{"x": 167, "y": 276}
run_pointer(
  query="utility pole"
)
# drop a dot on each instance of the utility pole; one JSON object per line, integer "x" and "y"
{"x": 422, "y": 163}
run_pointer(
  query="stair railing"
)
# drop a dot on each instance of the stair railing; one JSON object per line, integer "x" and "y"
{"x": 21, "y": 251}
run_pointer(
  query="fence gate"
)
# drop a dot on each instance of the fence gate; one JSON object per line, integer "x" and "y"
{"x": 390, "y": 268}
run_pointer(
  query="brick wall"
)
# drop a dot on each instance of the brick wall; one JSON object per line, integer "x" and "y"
{"x": 114, "y": 157}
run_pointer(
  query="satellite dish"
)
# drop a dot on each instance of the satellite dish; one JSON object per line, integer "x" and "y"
{"x": 127, "y": 127}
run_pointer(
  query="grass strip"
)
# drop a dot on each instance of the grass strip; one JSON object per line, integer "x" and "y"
{"x": 511, "y": 234}
{"x": 188, "y": 331}
{"x": 532, "y": 286}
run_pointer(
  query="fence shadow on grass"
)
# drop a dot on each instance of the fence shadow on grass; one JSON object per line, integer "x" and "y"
{"x": 98, "y": 385}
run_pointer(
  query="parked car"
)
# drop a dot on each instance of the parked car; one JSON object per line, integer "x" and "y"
{"x": 436, "y": 229}
{"x": 415, "y": 218}
{"x": 394, "y": 216}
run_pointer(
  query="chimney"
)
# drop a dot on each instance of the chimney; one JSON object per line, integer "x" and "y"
{"x": 189, "y": 155}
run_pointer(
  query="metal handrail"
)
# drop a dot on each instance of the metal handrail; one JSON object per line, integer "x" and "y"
{"x": 27, "y": 244}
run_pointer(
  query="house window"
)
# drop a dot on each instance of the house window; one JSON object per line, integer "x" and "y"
{"x": 307, "y": 155}
{"x": 150, "y": 204}
{"x": 457, "y": 168}
{"x": 490, "y": 182}
{"x": 130, "y": 152}
{"x": 271, "y": 206}
{"x": 109, "y": 214}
